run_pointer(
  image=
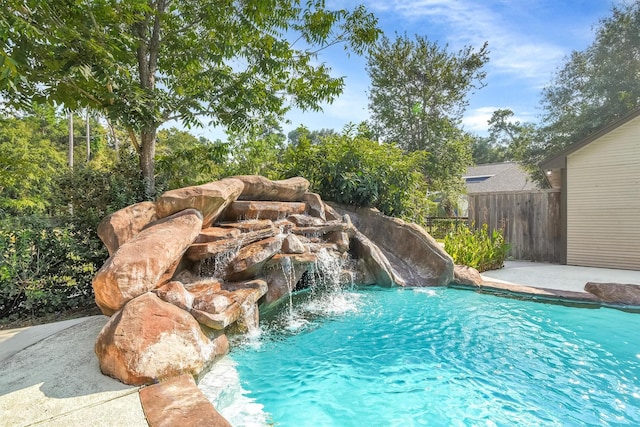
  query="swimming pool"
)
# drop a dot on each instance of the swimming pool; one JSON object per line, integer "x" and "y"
{"x": 411, "y": 357}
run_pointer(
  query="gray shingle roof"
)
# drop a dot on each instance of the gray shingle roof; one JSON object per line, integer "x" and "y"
{"x": 508, "y": 176}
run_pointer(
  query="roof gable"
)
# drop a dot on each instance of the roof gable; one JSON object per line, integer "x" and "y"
{"x": 558, "y": 160}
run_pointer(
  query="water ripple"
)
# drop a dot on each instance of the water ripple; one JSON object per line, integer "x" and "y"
{"x": 449, "y": 357}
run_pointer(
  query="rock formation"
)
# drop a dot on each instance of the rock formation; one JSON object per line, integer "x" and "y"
{"x": 195, "y": 265}
{"x": 416, "y": 257}
{"x": 615, "y": 293}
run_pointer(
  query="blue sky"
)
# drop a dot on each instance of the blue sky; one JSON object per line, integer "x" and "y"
{"x": 528, "y": 41}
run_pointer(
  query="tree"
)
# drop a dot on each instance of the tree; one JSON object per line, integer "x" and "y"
{"x": 596, "y": 85}
{"x": 29, "y": 164}
{"x": 349, "y": 168}
{"x": 257, "y": 152}
{"x": 314, "y": 136}
{"x": 417, "y": 99}
{"x": 418, "y": 90}
{"x": 183, "y": 159}
{"x": 145, "y": 62}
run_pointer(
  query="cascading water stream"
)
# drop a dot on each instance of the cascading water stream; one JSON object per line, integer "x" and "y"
{"x": 329, "y": 282}
{"x": 215, "y": 266}
{"x": 288, "y": 273}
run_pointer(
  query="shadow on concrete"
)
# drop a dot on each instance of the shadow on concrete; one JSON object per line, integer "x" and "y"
{"x": 57, "y": 382}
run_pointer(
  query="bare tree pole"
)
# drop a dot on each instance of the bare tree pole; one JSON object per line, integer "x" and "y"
{"x": 88, "y": 138}
{"x": 70, "y": 153}
{"x": 70, "y": 156}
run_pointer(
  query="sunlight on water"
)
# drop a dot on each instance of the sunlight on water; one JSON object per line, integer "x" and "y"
{"x": 393, "y": 357}
{"x": 222, "y": 387}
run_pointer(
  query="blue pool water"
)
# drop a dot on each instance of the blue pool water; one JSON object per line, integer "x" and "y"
{"x": 437, "y": 357}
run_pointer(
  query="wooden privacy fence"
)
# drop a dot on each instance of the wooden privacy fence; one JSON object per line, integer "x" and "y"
{"x": 439, "y": 226}
{"x": 531, "y": 221}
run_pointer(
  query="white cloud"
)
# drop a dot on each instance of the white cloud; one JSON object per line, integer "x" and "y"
{"x": 476, "y": 120}
{"x": 513, "y": 50}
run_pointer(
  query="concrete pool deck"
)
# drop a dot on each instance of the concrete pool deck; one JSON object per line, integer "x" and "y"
{"x": 559, "y": 277}
{"x": 49, "y": 374}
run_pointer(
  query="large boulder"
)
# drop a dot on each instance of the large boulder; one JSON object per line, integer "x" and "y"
{"x": 260, "y": 188}
{"x": 146, "y": 261}
{"x": 179, "y": 402}
{"x": 376, "y": 264}
{"x": 466, "y": 275}
{"x": 150, "y": 340}
{"x": 210, "y": 199}
{"x": 119, "y": 227}
{"x": 250, "y": 260}
{"x": 252, "y": 209}
{"x": 615, "y": 293}
{"x": 413, "y": 253}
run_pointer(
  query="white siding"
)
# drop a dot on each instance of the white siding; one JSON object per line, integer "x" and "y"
{"x": 603, "y": 201}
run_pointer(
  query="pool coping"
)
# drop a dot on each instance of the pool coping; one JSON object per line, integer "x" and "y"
{"x": 543, "y": 295}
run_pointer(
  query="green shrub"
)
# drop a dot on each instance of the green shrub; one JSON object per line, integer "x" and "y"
{"x": 45, "y": 268}
{"x": 353, "y": 169}
{"x": 477, "y": 248}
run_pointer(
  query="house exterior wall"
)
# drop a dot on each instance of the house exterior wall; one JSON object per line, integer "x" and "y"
{"x": 603, "y": 200}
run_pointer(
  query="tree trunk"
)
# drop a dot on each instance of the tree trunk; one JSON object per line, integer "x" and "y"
{"x": 147, "y": 159}
{"x": 88, "y": 137}
{"x": 70, "y": 151}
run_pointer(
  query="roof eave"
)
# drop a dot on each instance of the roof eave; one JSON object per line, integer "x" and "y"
{"x": 558, "y": 160}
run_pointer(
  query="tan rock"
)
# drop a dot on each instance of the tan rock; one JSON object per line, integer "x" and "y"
{"x": 210, "y": 199}
{"x": 247, "y": 210}
{"x": 283, "y": 225}
{"x": 315, "y": 206}
{"x": 305, "y": 220}
{"x": 320, "y": 230}
{"x": 283, "y": 274}
{"x": 375, "y": 260}
{"x": 150, "y": 340}
{"x": 413, "y": 253}
{"x": 330, "y": 213}
{"x": 249, "y": 225}
{"x": 340, "y": 239}
{"x": 260, "y": 188}
{"x": 249, "y": 261}
{"x": 175, "y": 293}
{"x": 213, "y": 234}
{"x": 232, "y": 305}
{"x": 615, "y": 293}
{"x": 292, "y": 245}
{"x": 146, "y": 261}
{"x": 214, "y": 304}
{"x": 247, "y": 294}
{"x": 179, "y": 402}
{"x": 466, "y": 275}
{"x": 200, "y": 251}
{"x": 119, "y": 227}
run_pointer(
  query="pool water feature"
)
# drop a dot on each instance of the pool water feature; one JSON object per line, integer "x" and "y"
{"x": 437, "y": 356}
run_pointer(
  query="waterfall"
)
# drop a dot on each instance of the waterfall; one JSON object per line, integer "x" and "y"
{"x": 334, "y": 286}
{"x": 288, "y": 273}
{"x": 216, "y": 265}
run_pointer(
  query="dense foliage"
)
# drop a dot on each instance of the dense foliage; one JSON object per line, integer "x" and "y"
{"x": 144, "y": 62}
{"x": 45, "y": 267}
{"x": 598, "y": 84}
{"x": 477, "y": 247}
{"x": 349, "y": 168}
